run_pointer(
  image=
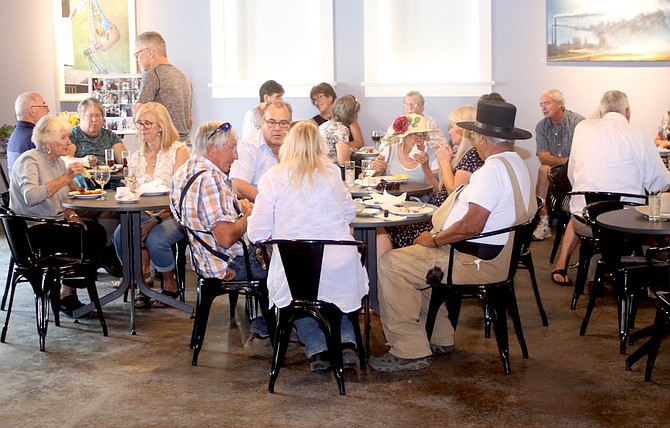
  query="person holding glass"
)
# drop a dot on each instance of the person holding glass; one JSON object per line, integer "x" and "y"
{"x": 335, "y": 131}
{"x": 40, "y": 181}
{"x": 303, "y": 197}
{"x": 159, "y": 156}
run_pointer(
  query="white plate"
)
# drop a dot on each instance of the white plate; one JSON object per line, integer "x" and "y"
{"x": 413, "y": 211}
{"x": 127, "y": 201}
{"x": 75, "y": 194}
{"x": 644, "y": 209}
{"x": 366, "y": 212}
{"x": 391, "y": 217}
{"x": 391, "y": 179}
{"x": 156, "y": 193}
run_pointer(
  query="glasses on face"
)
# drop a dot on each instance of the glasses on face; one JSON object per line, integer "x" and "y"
{"x": 284, "y": 124}
{"x": 45, "y": 105}
{"x": 420, "y": 136}
{"x": 411, "y": 105}
{"x": 318, "y": 98}
{"x": 93, "y": 116}
{"x": 146, "y": 124}
{"x": 224, "y": 127}
{"x": 139, "y": 52}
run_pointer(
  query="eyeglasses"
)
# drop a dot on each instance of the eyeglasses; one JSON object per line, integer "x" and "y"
{"x": 146, "y": 124}
{"x": 95, "y": 116}
{"x": 45, "y": 105}
{"x": 224, "y": 127}
{"x": 284, "y": 124}
{"x": 411, "y": 105}
{"x": 139, "y": 52}
{"x": 318, "y": 98}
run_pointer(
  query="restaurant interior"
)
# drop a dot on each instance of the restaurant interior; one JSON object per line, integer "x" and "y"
{"x": 147, "y": 379}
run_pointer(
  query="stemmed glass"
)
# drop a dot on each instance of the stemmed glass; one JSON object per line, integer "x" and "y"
{"x": 366, "y": 166}
{"x": 377, "y": 137}
{"x": 101, "y": 176}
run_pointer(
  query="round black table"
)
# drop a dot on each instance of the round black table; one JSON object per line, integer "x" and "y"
{"x": 629, "y": 220}
{"x": 130, "y": 214}
{"x": 412, "y": 189}
{"x": 365, "y": 229}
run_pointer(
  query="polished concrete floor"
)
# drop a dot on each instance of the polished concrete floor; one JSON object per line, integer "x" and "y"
{"x": 86, "y": 379}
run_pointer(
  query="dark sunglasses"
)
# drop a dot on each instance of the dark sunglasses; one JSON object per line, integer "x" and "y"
{"x": 224, "y": 127}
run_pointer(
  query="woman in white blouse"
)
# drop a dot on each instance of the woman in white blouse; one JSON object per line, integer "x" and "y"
{"x": 159, "y": 156}
{"x": 303, "y": 197}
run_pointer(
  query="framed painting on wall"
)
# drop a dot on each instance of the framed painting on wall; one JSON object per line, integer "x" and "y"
{"x": 614, "y": 30}
{"x": 92, "y": 37}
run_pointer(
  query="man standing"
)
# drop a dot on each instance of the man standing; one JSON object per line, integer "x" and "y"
{"x": 553, "y": 135}
{"x": 413, "y": 103}
{"x": 260, "y": 149}
{"x": 499, "y": 195}
{"x": 608, "y": 155}
{"x": 29, "y": 108}
{"x": 253, "y": 119}
{"x": 164, "y": 83}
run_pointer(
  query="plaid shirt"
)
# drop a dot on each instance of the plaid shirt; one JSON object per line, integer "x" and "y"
{"x": 207, "y": 202}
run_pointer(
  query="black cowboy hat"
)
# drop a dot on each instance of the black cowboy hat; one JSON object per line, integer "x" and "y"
{"x": 496, "y": 119}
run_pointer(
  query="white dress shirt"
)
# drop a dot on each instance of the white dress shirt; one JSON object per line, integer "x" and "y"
{"x": 610, "y": 155}
{"x": 254, "y": 158}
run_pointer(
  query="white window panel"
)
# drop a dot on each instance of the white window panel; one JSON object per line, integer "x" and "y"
{"x": 439, "y": 47}
{"x": 290, "y": 41}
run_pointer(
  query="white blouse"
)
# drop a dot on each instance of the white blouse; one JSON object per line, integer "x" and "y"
{"x": 164, "y": 170}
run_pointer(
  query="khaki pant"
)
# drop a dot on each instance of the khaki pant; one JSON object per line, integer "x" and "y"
{"x": 403, "y": 308}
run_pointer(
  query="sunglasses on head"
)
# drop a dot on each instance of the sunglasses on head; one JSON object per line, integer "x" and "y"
{"x": 224, "y": 127}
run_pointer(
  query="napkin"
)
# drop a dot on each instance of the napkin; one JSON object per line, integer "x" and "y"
{"x": 125, "y": 194}
{"x": 153, "y": 186}
{"x": 386, "y": 198}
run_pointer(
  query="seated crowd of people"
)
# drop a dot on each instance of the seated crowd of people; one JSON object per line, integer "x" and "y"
{"x": 281, "y": 179}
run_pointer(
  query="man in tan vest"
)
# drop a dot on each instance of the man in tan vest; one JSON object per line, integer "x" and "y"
{"x": 499, "y": 195}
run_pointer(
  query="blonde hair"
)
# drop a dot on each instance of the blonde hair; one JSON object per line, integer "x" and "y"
{"x": 303, "y": 154}
{"x": 168, "y": 133}
{"x": 464, "y": 113}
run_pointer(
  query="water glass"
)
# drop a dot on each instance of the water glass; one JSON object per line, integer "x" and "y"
{"x": 109, "y": 157}
{"x": 655, "y": 206}
{"x": 349, "y": 173}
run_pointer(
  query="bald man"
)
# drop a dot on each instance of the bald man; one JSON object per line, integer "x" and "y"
{"x": 29, "y": 108}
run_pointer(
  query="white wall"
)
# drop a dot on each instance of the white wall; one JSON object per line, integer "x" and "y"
{"x": 519, "y": 67}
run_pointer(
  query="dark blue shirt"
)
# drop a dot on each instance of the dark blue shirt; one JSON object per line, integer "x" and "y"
{"x": 19, "y": 142}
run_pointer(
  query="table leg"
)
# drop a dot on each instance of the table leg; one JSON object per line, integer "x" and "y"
{"x": 369, "y": 236}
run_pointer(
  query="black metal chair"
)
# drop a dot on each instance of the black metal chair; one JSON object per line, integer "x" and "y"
{"x": 623, "y": 264}
{"x": 498, "y": 298}
{"x": 36, "y": 247}
{"x": 589, "y": 246}
{"x": 302, "y": 261}
{"x": 659, "y": 331}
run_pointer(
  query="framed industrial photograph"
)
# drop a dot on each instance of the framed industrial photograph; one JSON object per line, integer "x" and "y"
{"x": 614, "y": 30}
{"x": 92, "y": 37}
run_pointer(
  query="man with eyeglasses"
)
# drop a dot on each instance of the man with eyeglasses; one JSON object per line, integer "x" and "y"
{"x": 413, "y": 103}
{"x": 29, "y": 108}
{"x": 163, "y": 83}
{"x": 259, "y": 150}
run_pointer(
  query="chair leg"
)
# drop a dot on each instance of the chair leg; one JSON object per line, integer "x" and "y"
{"x": 513, "y": 310}
{"x": 282, "y": 334}
{"x": 586, "y": 252}
{"x": 360, "y": 347}
{"x": 232, "y": 298}
{"x": 93, "y": 295}
{"x": 625, "y": 305}
{"x": 437, "y": 298}
{"x": 204, "y": 304}
{"x": 527, "y": 261}
{"x": 597, "y": 288}
{"x": 332, "y": 324}
{"x": 560, "y": 230}
{"x": 42, "y": 317}
{"x": 499, "y": 319}
{"x": 9, "y": 308}
{"x": 8, "y": 284}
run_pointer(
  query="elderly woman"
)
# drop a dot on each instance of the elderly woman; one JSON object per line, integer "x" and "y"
{"x": 159, "y": 156}
{"x": 40, "y": 181}
{"x": 303, "y": 197}
{"x": 335, "y": 131}
{"x": 323, "y": 97}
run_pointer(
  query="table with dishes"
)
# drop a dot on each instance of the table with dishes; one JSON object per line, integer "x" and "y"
{"x": 370, "y": 217}
{"x": 130, "y": 209}
{"x": 364, "y": 187}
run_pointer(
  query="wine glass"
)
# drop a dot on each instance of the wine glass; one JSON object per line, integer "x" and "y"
{"x": 101, "y": 176}
{"x": 366, "y": 166}
{"x": 377, "y": 137}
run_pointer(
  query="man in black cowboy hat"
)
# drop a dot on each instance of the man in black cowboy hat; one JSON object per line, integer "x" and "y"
{"x": 499, "y": 195}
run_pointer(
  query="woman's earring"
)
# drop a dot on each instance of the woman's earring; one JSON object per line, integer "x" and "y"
{"x": 48, "y": 150}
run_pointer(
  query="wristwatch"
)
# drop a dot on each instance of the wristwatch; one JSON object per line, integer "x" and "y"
{"x": 158, "y": 219}
{"x": 435, "y": 239}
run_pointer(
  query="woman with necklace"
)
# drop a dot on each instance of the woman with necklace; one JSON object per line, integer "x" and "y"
{"x": 159, "y": 156}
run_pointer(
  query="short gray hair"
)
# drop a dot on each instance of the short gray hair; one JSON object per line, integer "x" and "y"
{"x": 555, "y": 95}
{"x": 201, "y": 143}
{"x": 418, "y": 95}
{"x": 614, "y": 101}
{"x": 48, "y": 130}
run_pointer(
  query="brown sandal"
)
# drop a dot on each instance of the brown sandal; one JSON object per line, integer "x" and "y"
{"x": 564, "y": 274}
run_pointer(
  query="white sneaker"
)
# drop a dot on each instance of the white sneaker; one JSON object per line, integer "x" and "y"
{"x": 542, "y": 231}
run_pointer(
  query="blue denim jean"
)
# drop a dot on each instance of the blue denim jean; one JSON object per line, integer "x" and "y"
{"x": 313, "y": 338}
{"x": 159, "y": 243}
{"x": 258, "y": 325}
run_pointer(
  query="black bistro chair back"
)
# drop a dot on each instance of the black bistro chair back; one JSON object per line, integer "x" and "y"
{"x": 498, "y": 298}
{"x": 302, "y": 261}
{"x": 559, "y": 202}
{"x": 41, "y": 259}
{"x": 589, "y": 245}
